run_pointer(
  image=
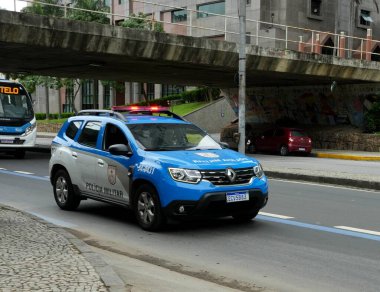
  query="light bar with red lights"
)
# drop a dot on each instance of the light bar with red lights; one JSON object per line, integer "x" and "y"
{"x": 130, "y": 108}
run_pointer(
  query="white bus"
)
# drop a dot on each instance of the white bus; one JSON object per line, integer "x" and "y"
{"x": 17, "y": 121}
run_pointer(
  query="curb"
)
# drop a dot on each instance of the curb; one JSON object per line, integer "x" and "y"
{"x": 346, "y": 156}
{"x": 372, "y": 185}
{"x": 108, "y": 276}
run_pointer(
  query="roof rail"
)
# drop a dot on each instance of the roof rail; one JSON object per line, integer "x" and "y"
{"x": 147, "y": 110}
{"x": 96, "y": 112}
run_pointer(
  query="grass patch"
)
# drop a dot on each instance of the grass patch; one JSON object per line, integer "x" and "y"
{"x": 186, "y": 108}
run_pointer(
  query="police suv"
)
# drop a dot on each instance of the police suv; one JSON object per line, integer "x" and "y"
{"x": 154, "y": 162}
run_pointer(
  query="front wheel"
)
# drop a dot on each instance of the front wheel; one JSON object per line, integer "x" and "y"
{"x": 64, "y": 192}
{"x": 147, "y": 208}
{"x": 245, "y": 216}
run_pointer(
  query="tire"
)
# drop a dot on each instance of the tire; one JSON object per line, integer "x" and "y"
{"x": 64, "y": 194}
{"x": 284, "y": 150}
{"x": 252, "y": 148}
{"x": 245, "y": 216}
{"x": 147, "y": 208}
{"x": 19, "y": 154}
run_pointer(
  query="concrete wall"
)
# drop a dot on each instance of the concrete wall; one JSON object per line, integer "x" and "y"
{"x": 213, "y": 117}
{"x": 308, "y": 105}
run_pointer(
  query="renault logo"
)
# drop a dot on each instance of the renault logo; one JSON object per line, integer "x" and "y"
{"x": 231, "y": 174}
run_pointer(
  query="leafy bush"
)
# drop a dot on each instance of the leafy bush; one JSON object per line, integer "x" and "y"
{"x": 55, "y": 116}
{"x": 372, "y": 119}
{"x": 196, "y": 95}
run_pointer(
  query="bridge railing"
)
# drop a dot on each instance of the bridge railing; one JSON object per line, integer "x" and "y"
{"x": 198, "y": 23}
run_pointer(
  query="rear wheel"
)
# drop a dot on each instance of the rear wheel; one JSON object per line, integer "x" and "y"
{"x": 147, "y": 208}
{"x": 252, "y": 148}
{"x": 245, "y": 216}
{"x": 64, "y": 192}
{"x": 284, "y": 150}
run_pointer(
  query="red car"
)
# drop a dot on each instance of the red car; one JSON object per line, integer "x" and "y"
{"x": 282, "y": 140}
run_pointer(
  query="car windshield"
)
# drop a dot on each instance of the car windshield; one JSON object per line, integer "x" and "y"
{"x": 164, "y": 137}
{"x": 14, "y": 103}
{"x": 298, "y": 134}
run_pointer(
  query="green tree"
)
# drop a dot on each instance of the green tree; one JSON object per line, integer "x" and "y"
{"x": 99, "y": 16}
{"x": 42, "y": 9}
{"x": 143, "y": 22}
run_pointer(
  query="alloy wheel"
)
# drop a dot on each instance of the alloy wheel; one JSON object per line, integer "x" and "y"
{"x": 146, "y": 208}
{"x": 62, "y": 190}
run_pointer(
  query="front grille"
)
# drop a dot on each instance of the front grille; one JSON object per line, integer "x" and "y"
{"x": 219, "y": 177}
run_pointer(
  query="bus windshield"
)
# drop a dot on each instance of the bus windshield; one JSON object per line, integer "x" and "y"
{"x": 15, "y": 103}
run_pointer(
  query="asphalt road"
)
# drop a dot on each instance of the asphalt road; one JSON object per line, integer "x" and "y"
{"x": 303, "y": 242}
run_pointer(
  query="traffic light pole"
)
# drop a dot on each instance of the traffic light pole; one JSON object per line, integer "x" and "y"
{"x": 242, "y": 73}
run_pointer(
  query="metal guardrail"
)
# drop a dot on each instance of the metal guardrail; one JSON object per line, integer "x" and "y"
{"x": 266, "y": 34}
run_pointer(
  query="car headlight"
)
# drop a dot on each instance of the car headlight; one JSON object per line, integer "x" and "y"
{"x": 258, "y": 170}
{"x": 30, "y": 129}
{"x": 185, "y": 175}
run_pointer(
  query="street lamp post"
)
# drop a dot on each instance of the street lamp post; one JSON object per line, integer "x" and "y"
{"x": 242, "y": 73}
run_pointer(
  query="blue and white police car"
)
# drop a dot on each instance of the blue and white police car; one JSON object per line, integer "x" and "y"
{"x": 154, "y": 162}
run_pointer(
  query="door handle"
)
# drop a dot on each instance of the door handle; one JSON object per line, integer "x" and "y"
{"x": 100, "y": 162}
{"x": 74, "y": 154}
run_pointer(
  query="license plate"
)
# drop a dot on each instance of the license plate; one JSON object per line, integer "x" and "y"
{"x": 301, "y": 149}
{"x": 6, "y": 141}
{"x": 237, "y": 197}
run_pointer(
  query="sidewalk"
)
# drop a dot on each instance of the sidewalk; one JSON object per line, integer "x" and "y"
{"x": 36, "y": 255}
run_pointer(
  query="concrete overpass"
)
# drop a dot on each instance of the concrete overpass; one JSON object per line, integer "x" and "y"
{"x": 59, "y": 47}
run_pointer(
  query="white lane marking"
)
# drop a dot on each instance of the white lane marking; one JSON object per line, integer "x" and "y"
{"x": 325, "y": 185}
{"x": 359, "y": 230}
{"x": 23, "y": 172}
{"x": 2, "y": 168}
{"x": 275, "y": 215}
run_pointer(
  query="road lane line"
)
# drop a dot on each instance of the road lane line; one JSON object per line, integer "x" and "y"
{"x": 275, "y": 215}
{"x": 320, "y": 228}
{"x": 2, "y": 168}
{"x": 24, "y": 175}
{"x": 323, "y": 185}
{"x": 358, "y": 230}
{"x": 23, "y": 172}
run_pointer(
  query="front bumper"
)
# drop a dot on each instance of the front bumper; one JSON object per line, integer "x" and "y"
{"x": 215, "y": 205}
{"x": 18, "y": 142}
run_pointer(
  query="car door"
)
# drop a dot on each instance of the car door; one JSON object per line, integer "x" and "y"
{"x": 84, "y": 153}
{"x": 264, "y": 140}
{"x": 112, "y": 171}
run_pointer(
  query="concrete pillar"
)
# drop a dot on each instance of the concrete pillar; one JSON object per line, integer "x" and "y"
{"x": 157, "y": 91}
{"x": 301, "y": 45}
{"x": 101, "y": 95}
{"x": 342, "y": 46}
{"x": 368, "y": 45}
{"x": 136, "y": 92}
{"x": 78, "y": 99}
{"x": 317, "y": 45}
{"x": 127, "y": 93}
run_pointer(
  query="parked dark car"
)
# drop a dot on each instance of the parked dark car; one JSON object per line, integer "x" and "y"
{"x": 281, "y": 140}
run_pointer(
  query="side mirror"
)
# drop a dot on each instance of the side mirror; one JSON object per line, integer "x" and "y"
{"x": 120, "y": 149}
{"x": 224, "y": 144}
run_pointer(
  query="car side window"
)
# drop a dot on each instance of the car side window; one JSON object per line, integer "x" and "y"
{"x": 113, "y": 135}
{"x": 89, "y": 134}
{"x": 72, "y": 129}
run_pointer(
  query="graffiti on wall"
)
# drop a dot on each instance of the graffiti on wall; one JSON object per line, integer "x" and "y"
{"x": 308, "y": 106}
